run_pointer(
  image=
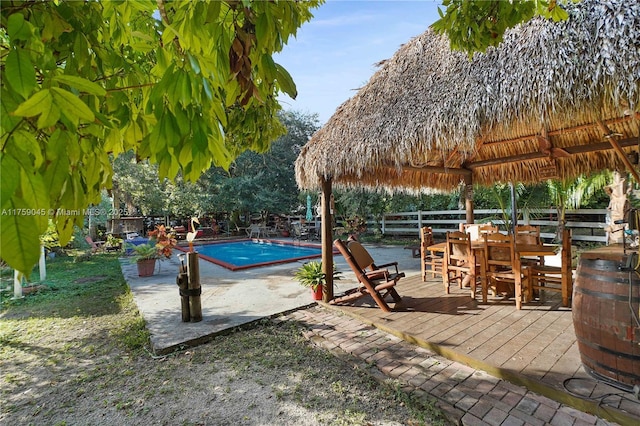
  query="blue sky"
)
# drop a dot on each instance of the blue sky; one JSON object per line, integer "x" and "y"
{"x": 335, "y": 53}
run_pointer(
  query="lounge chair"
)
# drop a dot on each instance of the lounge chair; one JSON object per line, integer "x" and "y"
{"x": 96, "y": 246}
{"x": 374, "y": 280}
{"x": 300, "y": 232}
{"x": 254, "y": 229}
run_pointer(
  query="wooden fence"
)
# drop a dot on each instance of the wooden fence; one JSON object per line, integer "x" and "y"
{"x": 587, "y": 224}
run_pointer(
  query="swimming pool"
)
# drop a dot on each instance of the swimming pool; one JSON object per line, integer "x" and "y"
{"x": 237, "y": 255}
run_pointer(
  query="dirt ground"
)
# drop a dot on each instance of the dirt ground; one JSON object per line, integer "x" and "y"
{"x": 77, "y": 373}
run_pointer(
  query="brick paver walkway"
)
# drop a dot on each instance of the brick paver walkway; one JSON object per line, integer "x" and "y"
{"x": 467, "y": 396}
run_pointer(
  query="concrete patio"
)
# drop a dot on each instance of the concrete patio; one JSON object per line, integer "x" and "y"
{"x": 534, "y": 348}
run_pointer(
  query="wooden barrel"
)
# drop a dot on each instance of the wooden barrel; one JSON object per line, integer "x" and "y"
{"x": 606, "y": 299}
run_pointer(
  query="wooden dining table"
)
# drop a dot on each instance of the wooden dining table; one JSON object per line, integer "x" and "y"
{"x": 477, "y": 248}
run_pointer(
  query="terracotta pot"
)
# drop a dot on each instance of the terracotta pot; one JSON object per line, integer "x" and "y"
{"x": 317, "y": 293}
{"x": 146, "y": 267}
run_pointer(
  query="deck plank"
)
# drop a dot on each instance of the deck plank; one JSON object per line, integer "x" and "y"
{"x": 535, "y": 346}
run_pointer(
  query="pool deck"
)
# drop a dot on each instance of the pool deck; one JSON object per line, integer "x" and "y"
{"x": 232, "y": 299}
{"x": 229, "y": 298}
{"x": 256, "y": 262}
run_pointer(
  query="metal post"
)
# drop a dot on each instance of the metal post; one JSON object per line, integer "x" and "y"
{"x": 42, "y": 265}
{"x": 514, "y": 208}
{"x": 327, "y": 241}
{"x": 17, "y": 284}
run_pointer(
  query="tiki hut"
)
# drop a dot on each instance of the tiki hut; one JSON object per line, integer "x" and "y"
{"x": 554, "y": 100}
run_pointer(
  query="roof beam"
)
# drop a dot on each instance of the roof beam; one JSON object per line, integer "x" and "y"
{"x": 568, "y": 129}
{"x": 615, "y": 143}
{"x": 572, "y": 150}
{"x": 436, "y": 169}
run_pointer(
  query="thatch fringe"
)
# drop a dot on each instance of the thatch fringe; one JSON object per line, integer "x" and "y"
{"x": 428, "y": 105}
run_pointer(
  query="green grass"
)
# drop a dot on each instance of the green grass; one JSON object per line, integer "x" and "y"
{"x": 74, "y": 292}
{"x": 83, "y": 336}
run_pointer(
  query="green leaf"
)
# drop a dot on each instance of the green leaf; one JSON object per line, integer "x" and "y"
{"x": 92, "y": 172}
{"x": 37, "y": 104}
{"x": 185, "y": 155}
{"x": 20, "y": 242}
{"x": 71, "y": 106}
{"x": 55, "y": 175}
{"x": 194, "y": 63}
{"x": 49, "y": 117}
{"x": 28, "y": 143}
{"x": 559, "y": 14}
{"x": 82, "y": 84}
{"x": 286, "y": 82}
{"x": 8, "y": 104}
{"x": 54, "y": 26}
{"x": 18, "y": 28}
{"x": 64, "y": 226}
{"x": 35, "y": 196}
{"x": 213, "y": 11}
{"x": 20, "y": 73}
{"x": 10, "y": 178}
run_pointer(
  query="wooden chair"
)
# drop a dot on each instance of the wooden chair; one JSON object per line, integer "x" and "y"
{"x": 477, "y": 230}
{"x": 528, "y": 234}
{"x": 502, "y": 268}
{"x": 376, "y": 282}
{"x": 559, "y": 279}
{"x": 460, "y": 262}
{"x": 430, "y": 262}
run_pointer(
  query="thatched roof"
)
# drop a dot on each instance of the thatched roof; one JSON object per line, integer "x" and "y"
{"x": 539, "y": 105}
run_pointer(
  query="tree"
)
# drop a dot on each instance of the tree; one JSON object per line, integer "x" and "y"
{"x": 263, "y": 182}
{"x": 572, "y": 194}
{"x": 82, "y": 80}
{"x": 254, "y": 182}
{"x": 474, "y": 25}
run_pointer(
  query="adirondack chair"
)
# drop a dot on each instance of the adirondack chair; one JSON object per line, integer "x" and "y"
{"x": 374, "y": 280}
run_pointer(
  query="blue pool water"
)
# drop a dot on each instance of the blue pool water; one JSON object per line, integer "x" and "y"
{"x": 251, "y": 254}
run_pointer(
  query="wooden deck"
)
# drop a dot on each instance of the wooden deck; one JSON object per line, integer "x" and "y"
{"x": 534, "y": 347}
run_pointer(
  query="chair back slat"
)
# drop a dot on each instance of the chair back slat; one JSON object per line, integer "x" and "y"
{"x": 378, "y": 285}
{"x": 527, "y": 234}
{"x": 499, "y": 250}
{"x": 361, "y": 255}
{"x": 426, "y": 236}
{"x": 458, "y": 247}
{"x": 477, "y": 230}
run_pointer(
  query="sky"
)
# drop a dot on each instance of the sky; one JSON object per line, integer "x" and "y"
{"x": 335, "y": 53}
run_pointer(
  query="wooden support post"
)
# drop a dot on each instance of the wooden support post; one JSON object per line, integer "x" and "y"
{"x": 468, "y": 198}
{"x": 327, "y": 240}
{"x": 193, "y": 270}
{"x": 183, "y": 283}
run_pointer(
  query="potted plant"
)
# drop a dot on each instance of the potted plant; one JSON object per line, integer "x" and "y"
{"x": 160, "y": 246}
{"x": 163, "y": 240}
{"x": 145, "y": 255}
{"x": 310, "y": 275}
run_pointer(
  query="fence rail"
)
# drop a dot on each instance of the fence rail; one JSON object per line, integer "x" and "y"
{"x": 588, "y": 225}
